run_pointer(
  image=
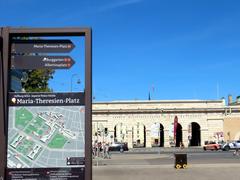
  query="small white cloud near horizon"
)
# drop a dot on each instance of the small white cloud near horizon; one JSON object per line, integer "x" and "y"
{"x": 118, "y": 4}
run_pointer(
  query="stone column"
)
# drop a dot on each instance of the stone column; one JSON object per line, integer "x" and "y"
{"x": 148, "y": 138}
{"x": 185, "y": 137}
{"x": 166, "y": 138}
{"x": 204, "y": 136}
{"x": 111, "y": 135}
{"x": 129, "y": 139}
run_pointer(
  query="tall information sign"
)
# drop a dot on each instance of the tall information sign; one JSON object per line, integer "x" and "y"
{"x": 47, "y": 126}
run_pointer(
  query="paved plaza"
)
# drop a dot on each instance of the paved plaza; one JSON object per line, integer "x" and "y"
{"x": 201, "y": 166}
{"x": 161, "y": 172}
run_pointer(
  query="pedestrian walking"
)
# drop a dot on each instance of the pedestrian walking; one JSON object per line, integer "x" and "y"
{"x": 103, "y": 152}
{"x": 182, "y": 145}
{"x": 98, "y": 149}
{"x": 107, "y": 151}
{"x": 93, "y": 151}
{"x": 236, "y": 152}
{"x": 121, "y": 149}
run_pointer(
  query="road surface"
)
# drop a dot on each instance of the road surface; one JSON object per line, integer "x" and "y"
{"x": 150, "y": 166}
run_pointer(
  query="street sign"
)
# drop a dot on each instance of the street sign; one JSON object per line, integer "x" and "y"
{"x": 42, "y": 46}
{"x": 45, "y": 131}
{"x": 35, "y": 62}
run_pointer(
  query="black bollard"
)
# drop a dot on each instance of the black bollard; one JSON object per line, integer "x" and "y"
{"x": 180, "y": 161}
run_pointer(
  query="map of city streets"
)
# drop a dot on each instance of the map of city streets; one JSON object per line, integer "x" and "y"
{"x": 45, "y": 136}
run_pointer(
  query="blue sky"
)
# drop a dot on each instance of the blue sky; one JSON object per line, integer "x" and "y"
{"x": 188, "y": 49}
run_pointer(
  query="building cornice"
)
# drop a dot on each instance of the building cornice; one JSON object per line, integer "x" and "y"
{"x": 166, "y": 111}
{"x": 157, "y": 102}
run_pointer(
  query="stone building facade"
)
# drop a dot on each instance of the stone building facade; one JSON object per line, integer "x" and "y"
{"x": 161, "y": 123}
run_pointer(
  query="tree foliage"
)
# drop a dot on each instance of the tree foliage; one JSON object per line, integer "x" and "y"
{"x": 38, "y": 80}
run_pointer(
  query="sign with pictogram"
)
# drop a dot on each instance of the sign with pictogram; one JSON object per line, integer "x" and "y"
{"x": 35, "y": 62}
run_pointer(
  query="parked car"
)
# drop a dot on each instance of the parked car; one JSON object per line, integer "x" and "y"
{"x": 118, "y": 147}
{"x": 231, "y": 145}
{"x": 212, "y": 146}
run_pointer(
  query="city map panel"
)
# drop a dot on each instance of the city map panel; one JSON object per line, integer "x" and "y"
{"x": 46, "y": 136}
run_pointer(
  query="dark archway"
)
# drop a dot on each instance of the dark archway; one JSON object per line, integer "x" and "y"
{"x": 115, "y": 133}
{"x": 178, "y": 135}
{"x": 144, "y": 132}
{"x": 120, "y": 133}
{"x": 161, "y": 135}
{"x": 196, "y": 134}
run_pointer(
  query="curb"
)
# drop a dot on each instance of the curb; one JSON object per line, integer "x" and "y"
{"x": 189, "y": 166}
{"x": 164, "y": 150}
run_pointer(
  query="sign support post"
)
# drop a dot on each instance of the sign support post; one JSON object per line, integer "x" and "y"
{"x": 2, "y": 113}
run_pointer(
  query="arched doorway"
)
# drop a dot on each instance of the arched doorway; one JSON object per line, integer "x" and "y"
{"x": 178, "y": 134}
{"x": 157, "y": 135}
{"x": 161, "y": 135}
{"x": 175, "y": 133}
{"x": 195, "y": 138}
{"x": 120, "y": 133}
{"x": 139, "y": 135}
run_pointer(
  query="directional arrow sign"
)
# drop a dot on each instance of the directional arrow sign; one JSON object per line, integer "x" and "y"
{"x": 42, "y": 46}
{"x": 36, "y": 62}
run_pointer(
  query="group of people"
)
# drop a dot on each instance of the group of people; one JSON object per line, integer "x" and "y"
{"x": 100, "y": 149}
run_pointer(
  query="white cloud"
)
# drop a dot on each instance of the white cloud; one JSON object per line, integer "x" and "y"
{"x": 118, "y": 4}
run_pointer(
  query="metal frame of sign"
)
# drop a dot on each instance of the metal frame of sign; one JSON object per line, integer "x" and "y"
{"x": 2, "y": 112}
{"x": 5, "y": 34}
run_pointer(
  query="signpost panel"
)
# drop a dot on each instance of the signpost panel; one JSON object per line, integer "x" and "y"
{"x": 48, "y": 133}
{"x": 35, "y": 62}
{"x": 42, "y": 46}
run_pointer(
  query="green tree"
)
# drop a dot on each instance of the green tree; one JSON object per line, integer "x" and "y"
{"x": 38, "y": 80}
